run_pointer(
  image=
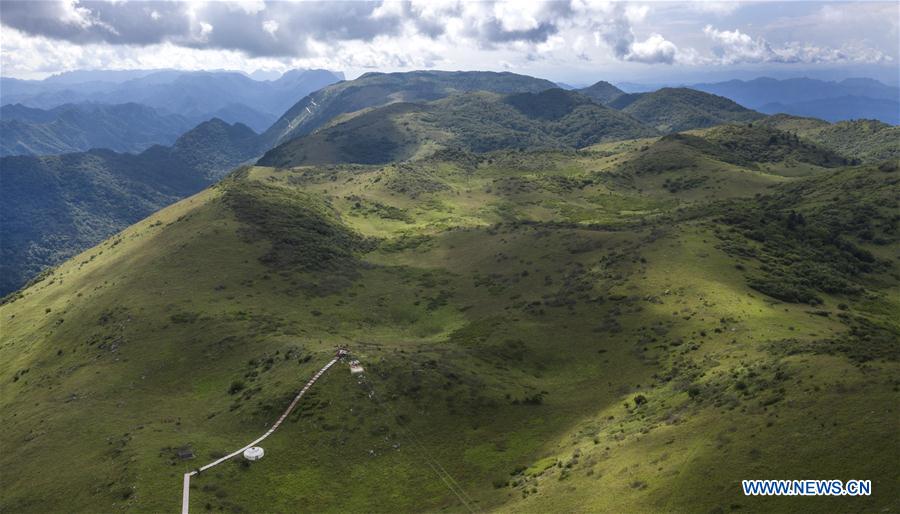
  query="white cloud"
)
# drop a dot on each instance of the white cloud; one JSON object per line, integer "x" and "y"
{"x": 517, "y": 16}
{"x": 636, "y": 13}
{"x": 37, "y": 57}
{"x": 71, "y": 13}
{"x": 613, "y": 26}
{"x": 456, "y": 34}
{"x": 655, "y": 49}
{"x": 246, "y": 6}
{"x": 715, "y": 7}
{"x": 736, "y": 47}
{"x": 270, "y": 26}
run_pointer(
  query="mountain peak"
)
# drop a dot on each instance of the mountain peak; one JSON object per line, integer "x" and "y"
{"x": 602, "y": 92}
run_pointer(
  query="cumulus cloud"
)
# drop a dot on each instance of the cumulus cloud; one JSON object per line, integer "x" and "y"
{"x": 736, "y": 47}
{"x": 283, "y": 29}
{"x": 240, "y": 26}
{"x": 412, "y": 33}
{"x": 308, "y": 30}
{"x": 654, "y": 49}
{"x": 616, "y": 31}
{"x": 247, "y": 26}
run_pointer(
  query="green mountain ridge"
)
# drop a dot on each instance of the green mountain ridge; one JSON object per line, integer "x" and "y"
{"x": 377, "y": 89}
{"x": 865, "y": 140}
{"x": 476, "y": 122}
{"x": 677, "y": 109}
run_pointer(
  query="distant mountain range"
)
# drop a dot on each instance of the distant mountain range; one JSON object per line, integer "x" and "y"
{"x": 841, "y": 109}
{"x": 52, "y": 207}
{"x": 70, "y": 128}
{"x": 832, "y": 101}
{"x": 202, "y": 95}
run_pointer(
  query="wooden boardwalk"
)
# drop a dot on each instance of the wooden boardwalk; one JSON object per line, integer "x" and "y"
{"x": 185, "y": 494}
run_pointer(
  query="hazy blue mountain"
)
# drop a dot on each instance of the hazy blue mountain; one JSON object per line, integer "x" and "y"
{"x": 831, "y": 100}
{"x": 264, "y": 75}
{"x": 82, "y": 76}
{"x": 637, "y": 87}
{"x": 841, "y": 108}
{"x": 52, "y": 207}
{"x": 46, "y": 94}
{"x": 23, "y": 113}
{"x": 70, "y": 128}
{"x": 198, "y": 96}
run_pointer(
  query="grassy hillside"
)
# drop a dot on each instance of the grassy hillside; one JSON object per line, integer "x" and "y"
{"x": 477, "y": 122}
{"x": 677, "y": 109}
{"x": 377, "y": 89}
{"x": 864, "y": 140}
{"x": 559, "y": 330}
{"x": 52, "y": 207}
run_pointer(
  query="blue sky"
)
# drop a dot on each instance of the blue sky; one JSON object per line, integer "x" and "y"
{"x": 576, "y": 41}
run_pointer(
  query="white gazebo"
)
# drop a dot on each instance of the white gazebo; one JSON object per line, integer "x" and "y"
{"x": 254, "y": 453}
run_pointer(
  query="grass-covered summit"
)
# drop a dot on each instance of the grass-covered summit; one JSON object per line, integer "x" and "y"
{"x": 863, "y": 140}
{"x": 377, "y": 89}
{"x": 677, "y": 109}
{"x": 476, "y": 122}
{"x": 602, "y": 92}
{"x": 561, "y": 330}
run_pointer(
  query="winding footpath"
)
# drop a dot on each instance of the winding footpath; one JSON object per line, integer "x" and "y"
{"x": 185, "y": 495}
